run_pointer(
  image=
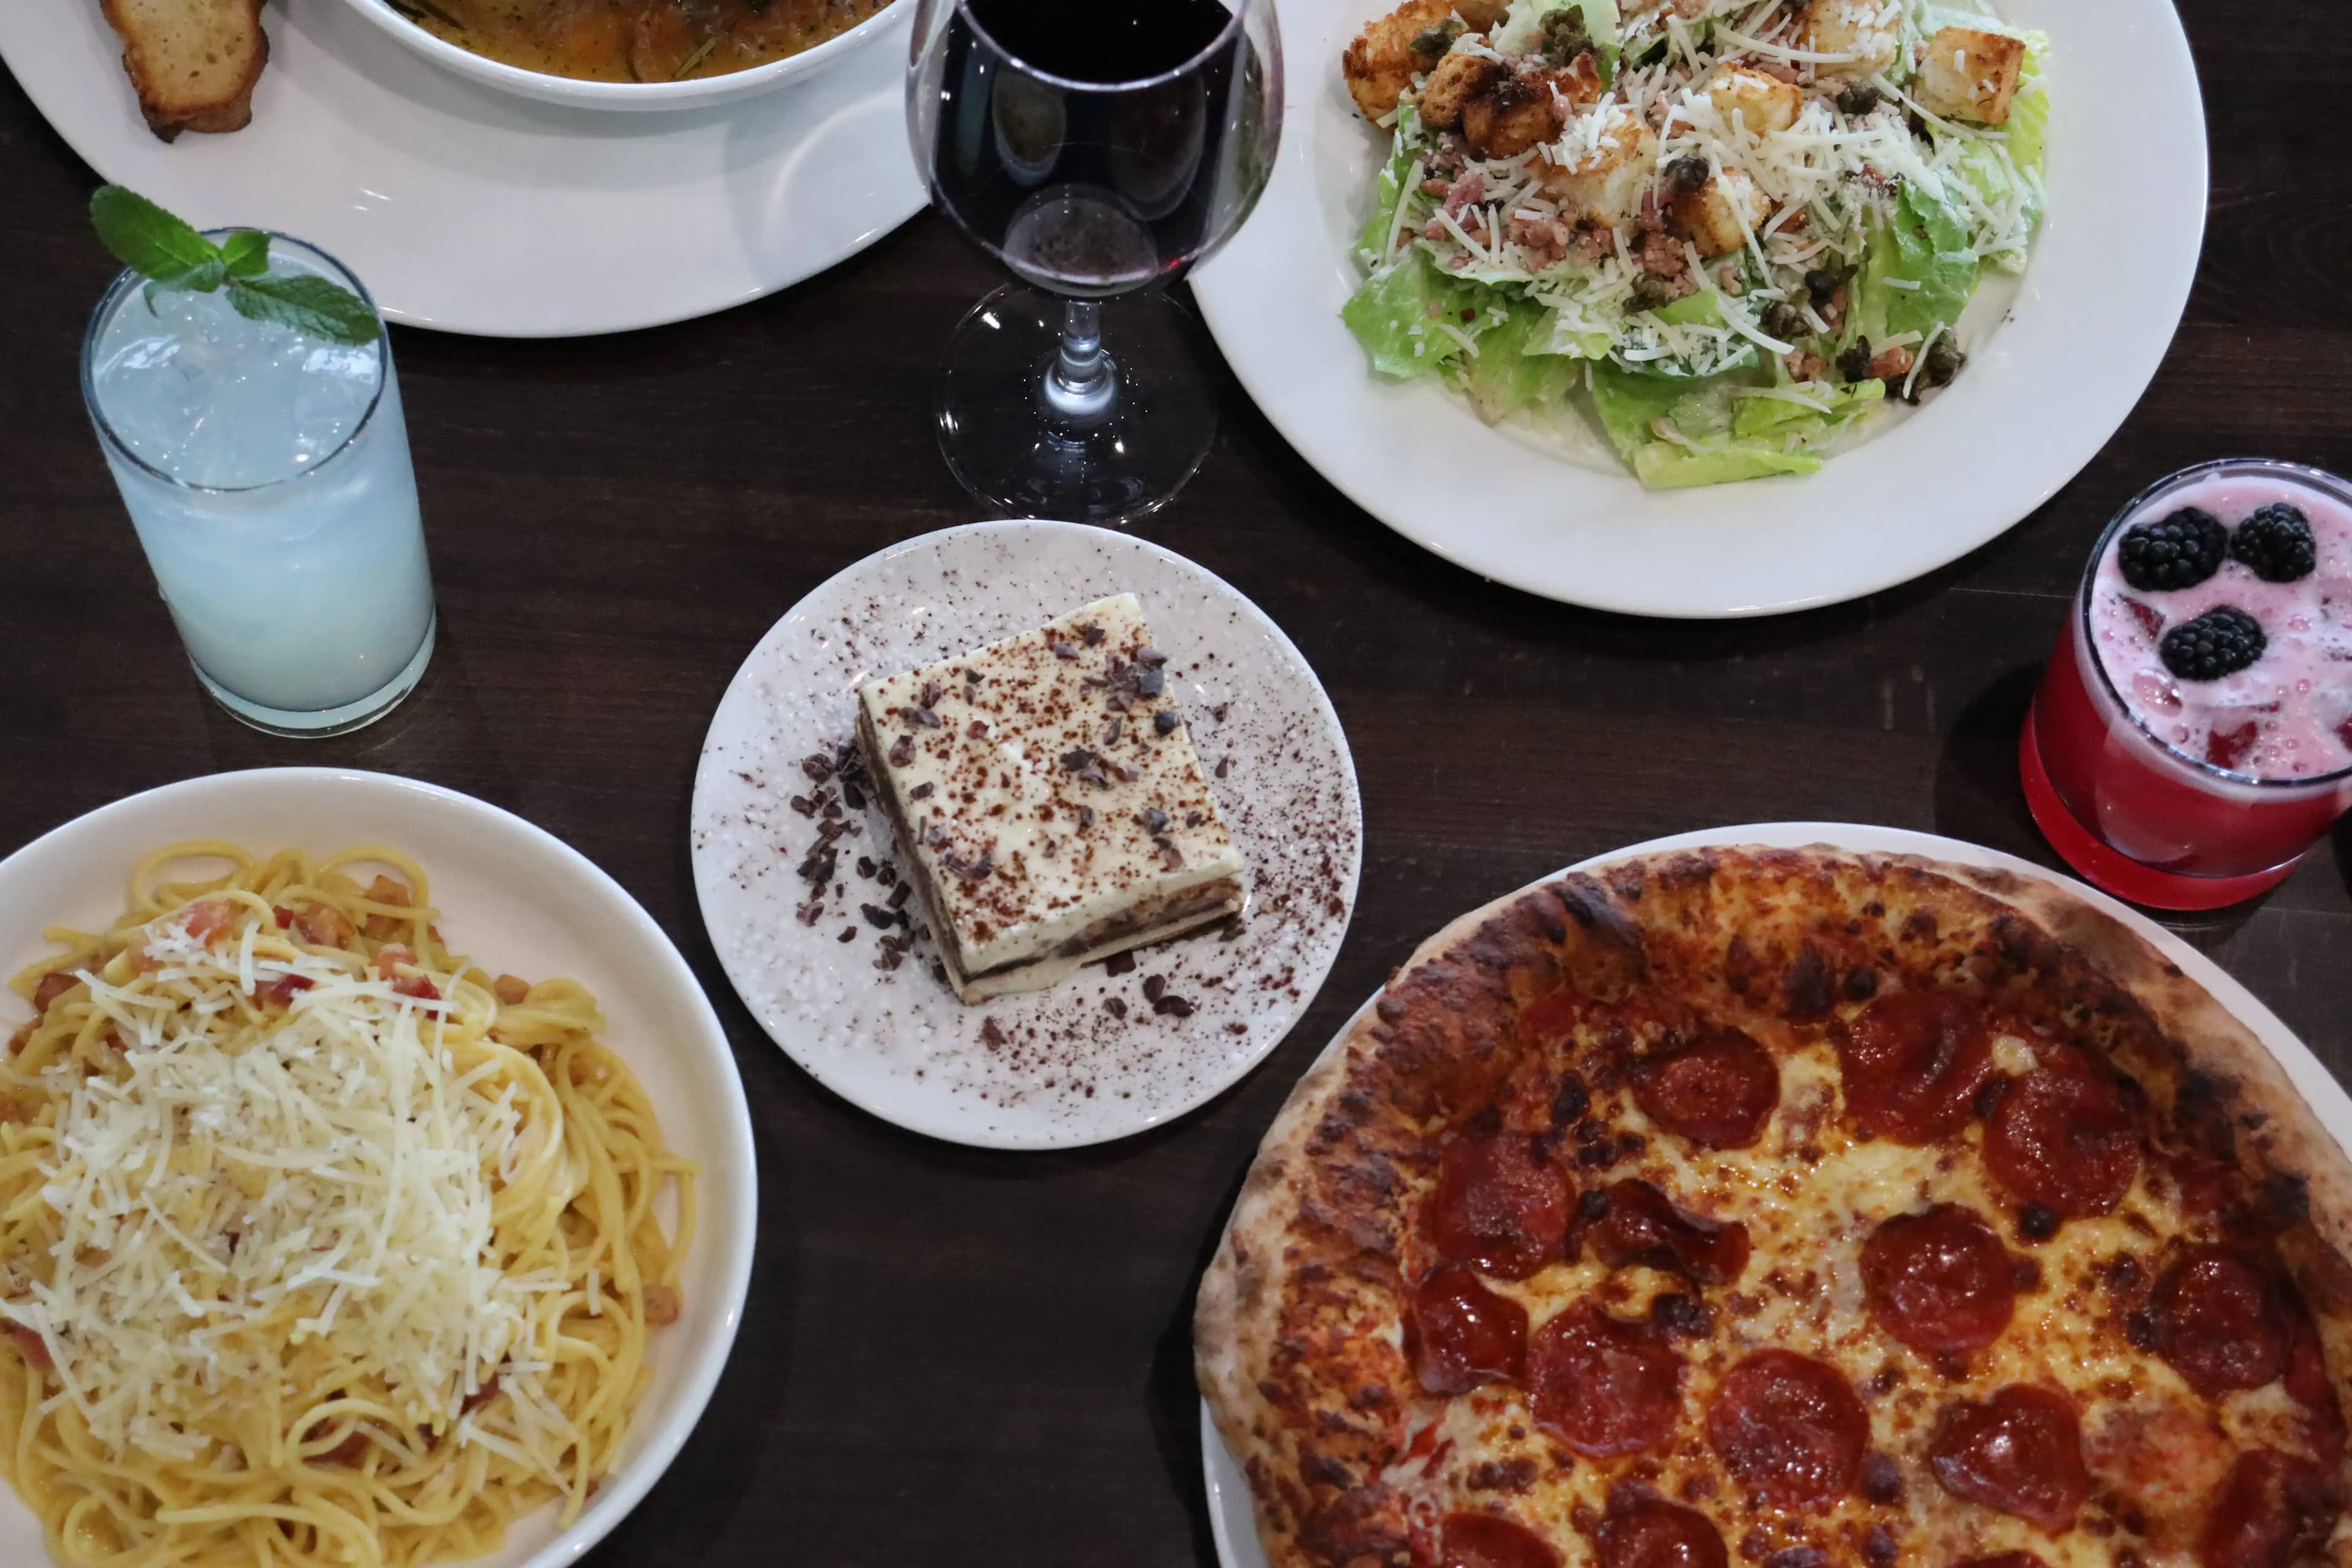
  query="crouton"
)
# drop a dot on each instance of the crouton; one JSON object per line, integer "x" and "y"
{"x": 1457, "y": 77}
{"x": 1482, "y": 14}
{"x": 1607, "y": 184}
{"x": 1765, "y": 104}
{"x": 1968, "y": 75}
{"x": 1577, "y": 84}
{"x": 192, "y": 62}
{"x": 1867, "y": 33}
{"x": 1510, "y": 114}
{"x": 1382, "y": 61}
{"x": 1711, "y": 216}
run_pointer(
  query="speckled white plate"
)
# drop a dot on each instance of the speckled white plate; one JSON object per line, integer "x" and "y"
{"x": 1231, "y": 1519}
{"x": 1091, "y": 1059}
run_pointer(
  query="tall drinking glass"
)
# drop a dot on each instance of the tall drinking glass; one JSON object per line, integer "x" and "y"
{"x": 268, "y": 475}
{"x": 1098, "y": 148}
{"x": 2192, "y": 736}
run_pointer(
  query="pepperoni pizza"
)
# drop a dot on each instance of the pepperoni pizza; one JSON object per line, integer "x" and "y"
{"x": 1794, "y": 1208}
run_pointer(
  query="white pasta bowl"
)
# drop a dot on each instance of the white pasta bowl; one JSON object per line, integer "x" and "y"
{"x": 520, "y": 900}
{"x": 696, "y": 92}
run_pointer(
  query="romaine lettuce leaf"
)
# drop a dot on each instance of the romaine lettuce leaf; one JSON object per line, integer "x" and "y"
{"x": 2029, "y": 115}
{"x": 1776, "y": 419}
{"x": 1513, "y": 367}
{"x": 1517, "y": 33}
{"x": 1663, "y": 466}
{"x": 1393, "y": 315}
{"x": 1372, "y": 245}
{"x": 1926, "y": 245}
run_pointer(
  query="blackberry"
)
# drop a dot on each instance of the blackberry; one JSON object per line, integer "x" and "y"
{"x": 2275, "y": 543}
{"x": 2176, "y": 551}
{"x": 2222, "y": 641}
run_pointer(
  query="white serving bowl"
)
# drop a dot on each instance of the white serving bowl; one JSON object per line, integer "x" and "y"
{"x": 523, "y": 901}
{"x": 693, "y": 93}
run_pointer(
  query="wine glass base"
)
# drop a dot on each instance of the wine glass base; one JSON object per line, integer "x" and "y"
{"x": 1008, "y": 448}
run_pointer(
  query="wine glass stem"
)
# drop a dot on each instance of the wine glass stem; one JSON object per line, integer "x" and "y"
{"x": 1081, "y": 382}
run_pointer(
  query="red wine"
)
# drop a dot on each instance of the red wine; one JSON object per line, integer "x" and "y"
{"x": 1106, "y": 41}
{"x": 1097, "y": 147}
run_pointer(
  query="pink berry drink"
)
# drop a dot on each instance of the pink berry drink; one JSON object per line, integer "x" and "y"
{"x": 2193, "y": 734}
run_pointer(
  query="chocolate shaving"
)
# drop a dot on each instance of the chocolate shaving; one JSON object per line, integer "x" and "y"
{"x": 921, "y": 715}
{"x": 1085, "y": 818}
{"x": 878, "y": 917}
{"x": 865, "y": 867}
{"x": 972, "y": 675}
{"x": 1091, "y": 632}
{"x": 1113, "y": 730}
{"x": 921, "y": 792}
{"x": 1114, "y": 1007}
{"x": 848, "y": 933}
{"x": 1077, "y": 760}
{"x": 932, "y": 691}
{"x": 1154, "y": 819}
{"x": 1119, "y": 963}
{"x": 1062, "y": 650}
{"x": 1165, "y": 722}
{"x": 851, "y": 794}
{"x": 1125, "y": 772}
{"x": 1170, "y": 855}
{"x": 977, "y": 730}
{"x": 899, "y": 894}
{"x": 970, "y": 870}
{"x": 991, "y": 1035}
{"x": 1150, "y": 683}
{"x": 818, "y": 767}
{"x": 1154, "y": 987}
{"x": 1150, "y": 657}
{"x": 902, "y": 752}
{"x": 1173, "y": 1006}
{"x": 802, "y": 805}
{"x": 1225, "y": 766}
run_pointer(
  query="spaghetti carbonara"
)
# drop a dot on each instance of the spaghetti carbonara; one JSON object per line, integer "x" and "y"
{"x": 318, "y": 1243}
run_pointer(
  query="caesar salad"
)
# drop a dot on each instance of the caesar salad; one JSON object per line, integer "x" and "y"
{"x": 1731, "y": 229}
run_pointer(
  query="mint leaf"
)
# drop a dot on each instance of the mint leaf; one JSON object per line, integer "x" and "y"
{"x": 310, "y": 304}
{"x": 149, "y": 240}
{"x": 246, "y": 253}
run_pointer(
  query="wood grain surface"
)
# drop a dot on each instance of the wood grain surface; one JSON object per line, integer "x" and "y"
{"x": 961, "y": 1358}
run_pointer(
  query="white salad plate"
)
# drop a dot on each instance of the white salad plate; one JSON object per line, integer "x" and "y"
{"x": 2044, "y": 389}
{"x": 1229, "y": 1516}
{"x": 1091, "y": 1059}
{"x": 525, "y": 902}
{"x": 470, "y": 209}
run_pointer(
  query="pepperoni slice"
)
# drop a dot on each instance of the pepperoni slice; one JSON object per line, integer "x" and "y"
{"x": 1652, "y": 1532}
{"x": 2020, "y": 1451}
{"x": 1459, "y": 1334}
{"x": 2308, "y": 1385}
{"x": 1913, "y": 1063}
{"x": 1606, "y": 1387}
{"x": 2065, "y": 1136}
{"x": 1938, "y": 1281}
{"x": 2217, "y": 1322}
{"x": 1496, "y": 1205}
{"x": 1488, "y": 1540}
{"x": 1633, "y": 1223}
{"x": 1790, "y": 1428}
{"x": 1717, "y": 1091}
{"x": 2273, "y": 1508}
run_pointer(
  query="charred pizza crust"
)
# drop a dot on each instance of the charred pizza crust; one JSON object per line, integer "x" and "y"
{"x": 1302, "y": 1345}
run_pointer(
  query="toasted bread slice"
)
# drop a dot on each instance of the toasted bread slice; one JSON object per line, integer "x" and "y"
{"x": 193, "y": 62}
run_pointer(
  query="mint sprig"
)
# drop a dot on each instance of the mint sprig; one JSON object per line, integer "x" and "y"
{"x": 171, "y": 254}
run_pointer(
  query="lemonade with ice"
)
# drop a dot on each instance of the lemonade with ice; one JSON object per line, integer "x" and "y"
{"x": 267, "y": 471}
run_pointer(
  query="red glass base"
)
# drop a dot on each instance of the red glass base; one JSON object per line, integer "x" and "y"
{"x": 2114, "y": 871}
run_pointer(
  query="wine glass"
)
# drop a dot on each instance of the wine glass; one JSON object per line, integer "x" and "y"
{"x": 1098, "y": 148}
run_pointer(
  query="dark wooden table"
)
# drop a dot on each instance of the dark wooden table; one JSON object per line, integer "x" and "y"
{"x": 961, "y": 1358}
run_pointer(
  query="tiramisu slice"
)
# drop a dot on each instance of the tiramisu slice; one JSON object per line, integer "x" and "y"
{"x": 1047, "y": 801}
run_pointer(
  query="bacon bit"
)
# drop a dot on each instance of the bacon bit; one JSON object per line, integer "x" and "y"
{"x": 511, "y": 990}
{"x": 384, "y": 891}
{"x": 207, "y": 918}
{"x": 390, "y": 957}
{"x": 16, "y": 1041}
{"x": 285, "y": 916}
{"x": 480, "y": 1396}
{"x": 281, "y": 991}
{"x": 664, "y": 1304}
{"x": 1465, "y": 191}
{"x": 350, "y": 1452}
{"x": 323, "y": 925}
{"x": 417, "y": 986}
{"x": 32, "y": 1347}
{"x": 1891, "y": 364}
{"x": 1806, "y": 366}
{"x": 14, "y": 1110}
{"x": 54, "y": 984}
